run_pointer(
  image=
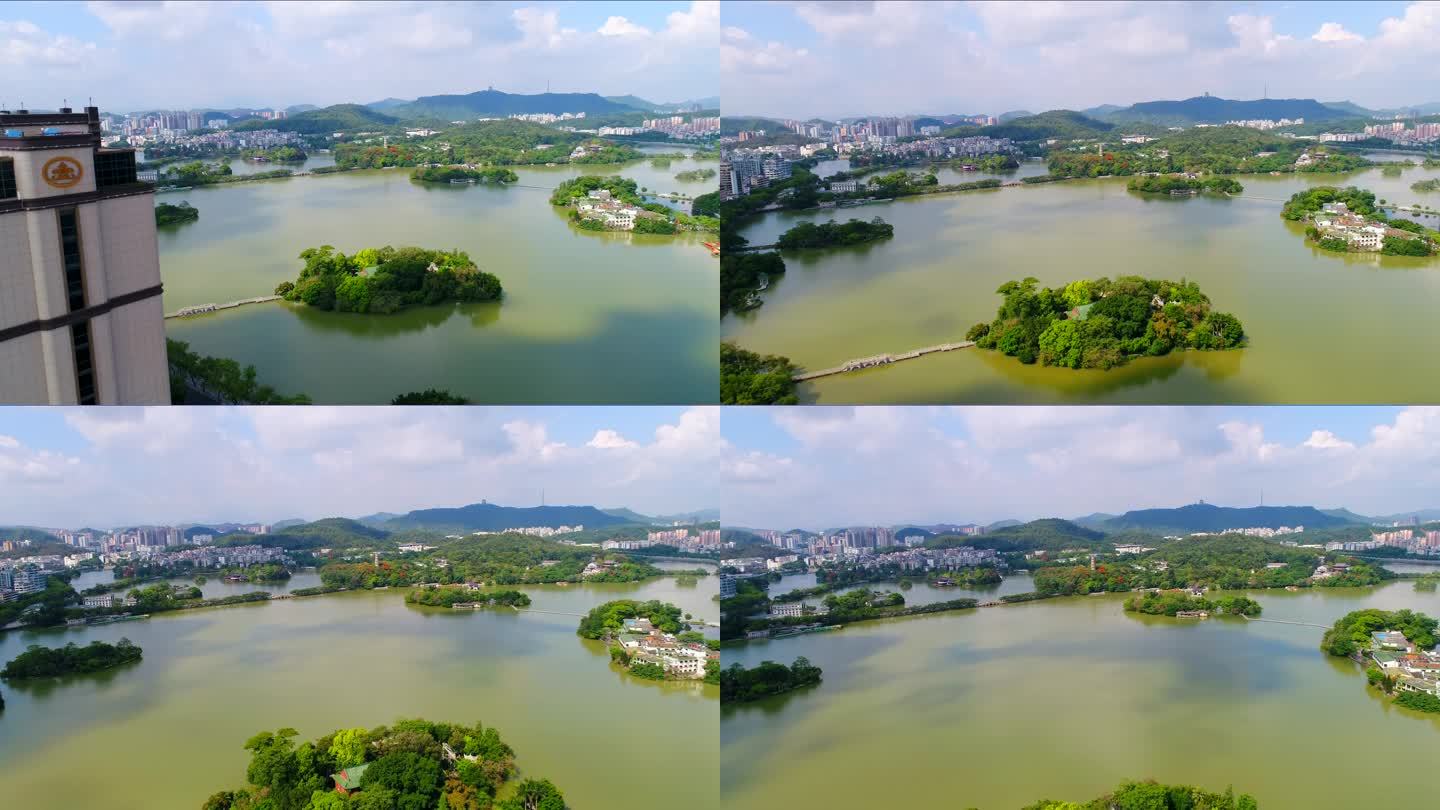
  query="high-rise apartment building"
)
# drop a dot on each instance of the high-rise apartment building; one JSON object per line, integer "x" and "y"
{"x": 80, "y": 312}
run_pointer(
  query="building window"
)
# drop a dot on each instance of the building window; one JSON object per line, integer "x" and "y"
{"x": 84, "y": 362}
{"x": 114, "y": 169}
{"x": 7, "y": 180}
{"x": 70, "y": 255}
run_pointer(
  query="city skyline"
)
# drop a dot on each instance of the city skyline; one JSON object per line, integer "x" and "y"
{"x": 177, "y": 55}
{"x": 826, "y": 467}
{"x": 784, "y": 60}
{"x": 120, "y": 467}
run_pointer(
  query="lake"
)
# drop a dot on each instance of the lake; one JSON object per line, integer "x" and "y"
{"x": 167, "y": 733}
{"x": 1362, "y": 317}
{"x": 587, "y": 317}
{"x": 997, "y": 708}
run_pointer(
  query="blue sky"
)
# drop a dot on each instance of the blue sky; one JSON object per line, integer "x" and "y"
{"x": 116, "y": 466}
{"x": 143, "y": 55}
{"x": 833, "y": 59}
{"x": 819, "y": 467}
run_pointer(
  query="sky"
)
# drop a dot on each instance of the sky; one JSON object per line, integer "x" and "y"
{"x": 109, "y": 467}
{"x": 131, "y": 55}
{"x": 833, "y": 59}
{"x": 828, "y": 467}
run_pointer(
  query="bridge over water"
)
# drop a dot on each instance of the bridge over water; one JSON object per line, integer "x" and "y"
{"x": 882, "y": 360}
{"x": 204, "y": 308}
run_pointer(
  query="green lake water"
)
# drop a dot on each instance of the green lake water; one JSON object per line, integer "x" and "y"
{"x": 167, "y": 732}
{"x": 1364, "y": 319}
{"x": 999, "y": 707}
{"x": 587, "y": 317}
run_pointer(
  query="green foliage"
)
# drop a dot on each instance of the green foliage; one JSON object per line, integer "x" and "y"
{"x": 280, "y": 154}
{"x": 1304, "y": 203}
{"x": 747, "y": 378}
{"x": 741, "y": 276}
{"x": 414, "y": 778}
{"x": 446, "y": 174}
{"x": 1351, "y": 632}
{"x": 167, "y": 214}
{"x": 430, "y": 396}
{"x": 400, "y": 277}
{"x": 348, "y": 746}
{"x": 741, "y": 685}
{"x": 1419, "y": 701}
{"x": 706, "y": 205}
{"x": 1427, "y": 185}
{"x": 222, "y": 378}
{"x": 1170, "y": 184}
{"x": 1401, "y": 246}
{"x": 534, "y": 794}
{"x": 1169, "y": 603}
{"x": 833, "y": 234}
{"x": 1125, "y": 318}
{"x": 325, "y": 121}
{"x": 608, "y": 619}
{"x": 451, "y": 595}
{"x": 579, "y": 188}
{"x": 46, "y": 662}
{"x": 696, "y": 175}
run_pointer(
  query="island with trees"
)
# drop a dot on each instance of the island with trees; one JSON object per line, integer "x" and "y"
{"x": 747, "y": 378}
{"x": 200, "y": 173}
{"x": 741, "y": 685}
{"x": 72, "y": 659}
{"x": 1426, "y": 185}
{"x": 413, "y": 764}
{"x": 1103, "y": 324}
{"x": 652, "y": 640}
{"x": 167, "y": 214}
{"x": 615, "y": 203}
{"x": 1397, "y": 649}
{"x": 387, "y": 279}
{"x": 835, "y": 234}
{"x": 507, "y": 142}
{"x": 454, "y": 596}
{"x": 279, "y": 154}
{"x": 974, "y": 577}
{"x": 1182, "y": 185}
{"x": 1348, "y": 220}
{"x": 695, "y": 175}
{"x": 1186, "y": 604}
{"x": 497, "y": 175}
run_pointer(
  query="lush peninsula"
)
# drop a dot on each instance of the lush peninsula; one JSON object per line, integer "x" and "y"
{"x": 741, "y": 685}
{"x": 747, "y": 378}
{"x": 387, "y": 279}
{"x": 1104, "y": 323}
{"x": 280, "y": 154}
{"x": 200, "y": 173}
{"x": 976, "y": 576}
{"x": 695, "y": 175}
{"x": 1155, "y": 796}
{"x": 743, "y": 276}
{"x": 835, "y": 234}
{"x": 498, "y": 175}
{"x": 998, "y": 162}
{"x": 1348, "y": 220}
{"x": 461, "y": 595}
{"x": 414, "y": 764}
{"x": 167, "y": 214}
{"x": 1178, "y": 184}
{"x": 72, "y": 659}
{"x": 1398, "y": 651}
{"x": 652, "y": 640}
{"x": 1183, "y": 603}
{"x": 508, "y": 142}
{"x": 615, "y": 203}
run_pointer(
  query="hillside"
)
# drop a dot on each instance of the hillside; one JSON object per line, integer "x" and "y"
{"x": 1204, "y": 517}
{"x": 1062, "y": 124}
{"x": 730, "y": 125}
{"x": 338, "y": 118}
{"x": 1011, "y": 115}
{"x": 1214, "y": 110}
{"x": 495, "y": 103}
{"x": 633, "y": 101}
{"x": 326, "y": 533}
{"x": 1048, "y": 534}
{"x": 489, "y": 517}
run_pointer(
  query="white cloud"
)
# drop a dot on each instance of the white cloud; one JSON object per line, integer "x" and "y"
{"x": 1325, "y": 440}
{"x": 1335, "y": 32}
{"x": 24, "y": 44}
{"x": 610, "y": 440}
{"x": 620, "y": 27}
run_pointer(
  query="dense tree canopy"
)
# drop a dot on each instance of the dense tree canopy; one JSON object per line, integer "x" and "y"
{"x": 47, "y": 662}
{"x": 835, "y": 234}
{"x": 747, "y": 378}
{"x": 1351, "y": 632}
{"x": 1104, "y": 323}
{"x": 742, "y": 275}
{"x": 609, "y": 618}
{"x": 740, "y": 685}
{"x": 388, "y": 279}
{"x": 167, "y": 214}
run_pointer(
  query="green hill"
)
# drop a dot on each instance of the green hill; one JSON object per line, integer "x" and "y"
{"x": 1214, "y": 110}
{"x": 326, "y": 533}
{"x": 337, "y": 118}
{"x": 1061, "y": 124}
{"x": 495, "y": 103}
{"x": 730, "y": 125}
{"x": 1204, "y": 517}
{"x": 491, "y": 517}
{"x": 1048, "y": 534}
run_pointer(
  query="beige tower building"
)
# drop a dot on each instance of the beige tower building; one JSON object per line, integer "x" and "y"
{"x": 80, "y": 312}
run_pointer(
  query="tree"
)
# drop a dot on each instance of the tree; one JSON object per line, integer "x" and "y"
{"x": 534, "y": 794}
{"x": 348, "y": 746}
{"x": 416, "y": 779}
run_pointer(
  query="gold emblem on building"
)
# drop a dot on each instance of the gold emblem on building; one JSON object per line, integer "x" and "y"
{"x": 62, "y": 172}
